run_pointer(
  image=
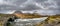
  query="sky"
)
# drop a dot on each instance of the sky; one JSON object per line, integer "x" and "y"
{"x": 41, "y": 5}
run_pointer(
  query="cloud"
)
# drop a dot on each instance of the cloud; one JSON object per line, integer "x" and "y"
{"x": 30, "y": 5}
{"x": 7, "y": 12}
{"x": 2, "y": 2}
{"x": 48, "y": 4}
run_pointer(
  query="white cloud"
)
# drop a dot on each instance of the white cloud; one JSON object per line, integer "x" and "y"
{"x": 7, "y": 11}
{"x": 2, "y": 2}
{"x": 48, "y": 4}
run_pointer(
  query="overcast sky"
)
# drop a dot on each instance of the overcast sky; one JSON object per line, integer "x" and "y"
{"x": 30, "y": 5}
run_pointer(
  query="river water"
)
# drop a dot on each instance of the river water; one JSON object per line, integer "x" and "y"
{"x": 28, "y": 22}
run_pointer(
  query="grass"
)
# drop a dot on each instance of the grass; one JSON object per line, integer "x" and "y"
{"x": 51, "y": 19}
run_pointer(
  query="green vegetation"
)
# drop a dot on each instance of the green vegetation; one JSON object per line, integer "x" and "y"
{"x": 51, "y": 19}
{"x": 6, "y": 15}
{"x": 4, "y": 18}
